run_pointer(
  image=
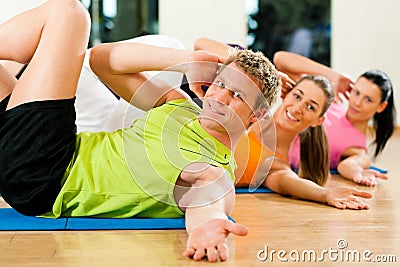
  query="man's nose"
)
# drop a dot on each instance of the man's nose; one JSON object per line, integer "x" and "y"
{"x": 223, "y": 96}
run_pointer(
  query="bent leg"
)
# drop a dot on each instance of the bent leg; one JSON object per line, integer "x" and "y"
{"x": 53, "y": 39}
{"x": 7, "y": 83}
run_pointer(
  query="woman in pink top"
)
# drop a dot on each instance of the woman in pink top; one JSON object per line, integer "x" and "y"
{"x": 341, "y": 135}
{"x": 370, "y": 97}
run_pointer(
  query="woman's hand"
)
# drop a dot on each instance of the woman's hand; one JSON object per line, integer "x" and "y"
{"x": 368, "y": 177}
{"x": 287, "y": 84}
{"x": 347, "y": 198}
{"x": 342, "y": 85}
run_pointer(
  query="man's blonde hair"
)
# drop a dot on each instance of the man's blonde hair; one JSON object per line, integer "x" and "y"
{"x": 260, "y": 67}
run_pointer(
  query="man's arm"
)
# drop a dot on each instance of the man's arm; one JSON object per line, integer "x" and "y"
{"x": 212, "y": 46}
{"x": 222, "y": 50}
{"x": 120, "y": 66}
{"x": 207, "y": 203}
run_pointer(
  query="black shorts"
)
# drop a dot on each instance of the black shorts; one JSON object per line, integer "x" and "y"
{"x": 37, "y": 142}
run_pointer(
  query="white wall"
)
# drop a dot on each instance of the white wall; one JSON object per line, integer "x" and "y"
{"x": 223, "y": 20}
{"x": 366, "y": 35}
{"x": 10, "y": 8}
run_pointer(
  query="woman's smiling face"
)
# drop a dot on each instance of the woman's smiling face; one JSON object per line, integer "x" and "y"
{"x": 302, "y": 107}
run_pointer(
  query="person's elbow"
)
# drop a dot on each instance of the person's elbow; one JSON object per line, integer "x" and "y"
{"x": 273, "y": 182}
{"x": 199, "y": 43}
{"x": 279, "y": 58}
{"x": 94, "y": 59}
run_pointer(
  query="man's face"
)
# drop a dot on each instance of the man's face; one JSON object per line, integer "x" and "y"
{"x": 229, "y": 101}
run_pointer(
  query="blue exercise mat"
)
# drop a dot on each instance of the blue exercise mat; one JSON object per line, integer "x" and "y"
{"x": 245, "y": 190}
{"x": 334, "y": 171}
{"x": 10, "y": 220}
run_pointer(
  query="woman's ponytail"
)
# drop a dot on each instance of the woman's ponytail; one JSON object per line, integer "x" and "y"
{"x": 314, "y": 155}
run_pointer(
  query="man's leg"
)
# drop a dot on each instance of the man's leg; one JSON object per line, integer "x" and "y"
{"x": 53, "y": 39}
{"x": 7, "y": 83}
{"x": 37, "y": 138}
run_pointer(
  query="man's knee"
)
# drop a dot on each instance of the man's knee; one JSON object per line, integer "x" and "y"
{"x": 72, "y": 11}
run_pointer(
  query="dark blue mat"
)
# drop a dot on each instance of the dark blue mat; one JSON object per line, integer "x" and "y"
{"x": 245, "y": 190}
{"x": 124, "y": 224}
{"x": 10, "y": 220}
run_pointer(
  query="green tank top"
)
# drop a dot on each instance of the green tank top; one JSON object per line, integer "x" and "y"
{"x": 133, "y": 171}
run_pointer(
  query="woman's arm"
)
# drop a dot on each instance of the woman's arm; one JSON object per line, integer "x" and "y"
{"x": 296, "y": 66}
{"x": 283, "y": 180}
{"x": 356, "y": 168}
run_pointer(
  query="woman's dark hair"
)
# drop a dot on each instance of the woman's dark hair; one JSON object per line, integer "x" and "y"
{"x": 383, "y": 122}
{"x": 314, "y": 148}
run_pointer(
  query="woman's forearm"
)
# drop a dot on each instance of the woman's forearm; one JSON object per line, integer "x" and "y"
{"x": 291, "y": 184}
{"x": 296, "y": 66}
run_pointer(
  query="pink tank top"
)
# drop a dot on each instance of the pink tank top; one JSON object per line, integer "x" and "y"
{"x": 341, "y": 135}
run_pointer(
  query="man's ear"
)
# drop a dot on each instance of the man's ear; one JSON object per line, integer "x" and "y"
{"x": 259, "y": 114}
{"x": 319, "y": 121}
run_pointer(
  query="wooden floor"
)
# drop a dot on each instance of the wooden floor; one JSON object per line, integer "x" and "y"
{"x": 275, "y": 222}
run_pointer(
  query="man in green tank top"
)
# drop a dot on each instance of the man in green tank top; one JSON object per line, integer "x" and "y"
{"x": 182, "y": 159}
{"x": 175, "y": 161}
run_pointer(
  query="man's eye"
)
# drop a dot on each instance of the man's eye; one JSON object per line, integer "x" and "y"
{"x": 310, "y": 107}
{"x": 237, "y": 94}
{"x": 221, "y": 84}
